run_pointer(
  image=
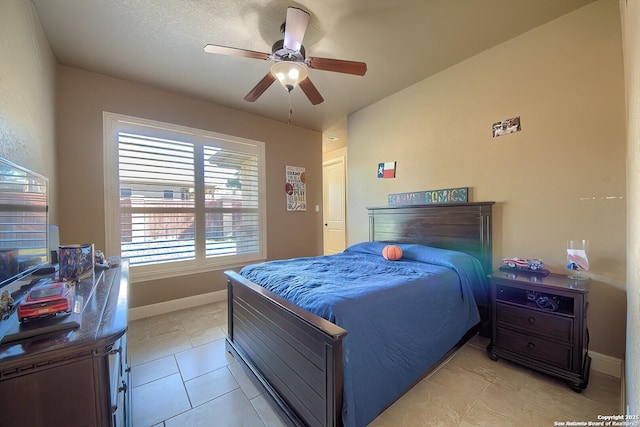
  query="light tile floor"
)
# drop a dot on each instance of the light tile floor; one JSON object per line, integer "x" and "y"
{"x": 182, "y": 376}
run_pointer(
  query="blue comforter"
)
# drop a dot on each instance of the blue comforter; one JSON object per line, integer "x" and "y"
{"x": 400, "y": 316}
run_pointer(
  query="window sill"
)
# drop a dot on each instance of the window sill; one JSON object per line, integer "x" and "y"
{"x": 148, "y": 273}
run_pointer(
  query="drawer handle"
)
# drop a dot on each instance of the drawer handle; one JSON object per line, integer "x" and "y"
{"x": 531, "y": 346}
{"x": 532, "y": 320}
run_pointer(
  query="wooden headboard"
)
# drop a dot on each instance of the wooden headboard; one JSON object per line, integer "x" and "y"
{"x": 464, "y": 227}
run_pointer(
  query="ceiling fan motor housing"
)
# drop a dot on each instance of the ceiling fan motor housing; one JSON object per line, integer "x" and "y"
{"x": 280, "y": 53}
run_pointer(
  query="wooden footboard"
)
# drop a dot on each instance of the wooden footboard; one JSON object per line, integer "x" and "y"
{"x": 295, "y": 354}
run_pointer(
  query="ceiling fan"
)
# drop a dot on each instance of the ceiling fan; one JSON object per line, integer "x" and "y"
{"x": 290, "y": 64}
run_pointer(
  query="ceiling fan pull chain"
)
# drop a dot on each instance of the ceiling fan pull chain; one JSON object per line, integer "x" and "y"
{"x": 290, "y": 109}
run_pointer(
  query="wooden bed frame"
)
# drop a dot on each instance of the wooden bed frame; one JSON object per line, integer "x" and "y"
{"x": 297, "y": 355}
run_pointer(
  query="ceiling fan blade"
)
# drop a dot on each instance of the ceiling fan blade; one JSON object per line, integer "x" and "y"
{"x": 310, "y": 90}
{"x": 259, "y": 89}
{"x": 338, "y": 66}
{"x": 223, "y": 50}
{"x": 295, "y": 27}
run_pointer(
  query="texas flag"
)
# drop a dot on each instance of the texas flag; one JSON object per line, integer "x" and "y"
{"x": 387, "y": 170}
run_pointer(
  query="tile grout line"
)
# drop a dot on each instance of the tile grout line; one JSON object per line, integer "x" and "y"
{"x": 486, "y": 387}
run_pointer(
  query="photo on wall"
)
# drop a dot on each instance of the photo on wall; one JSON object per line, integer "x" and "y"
{"x": 505, "y": 127}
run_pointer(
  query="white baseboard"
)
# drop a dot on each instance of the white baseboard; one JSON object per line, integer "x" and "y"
{"x": 174, "y": 305}
{"x": 606, "y": 364}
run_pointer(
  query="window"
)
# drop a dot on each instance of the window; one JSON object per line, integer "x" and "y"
{"x": 181, "y": 200}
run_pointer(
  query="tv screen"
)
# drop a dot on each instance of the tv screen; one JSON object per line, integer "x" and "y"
{"x": 24, "y": 222}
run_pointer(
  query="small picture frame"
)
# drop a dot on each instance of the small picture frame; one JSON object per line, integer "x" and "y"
{"x": 75, "y": 261}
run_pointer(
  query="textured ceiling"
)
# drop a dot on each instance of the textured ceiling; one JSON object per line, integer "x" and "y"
{"x": 160, "y": 43}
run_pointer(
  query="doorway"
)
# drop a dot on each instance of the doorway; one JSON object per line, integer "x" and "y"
{"x": 334, "y": 205}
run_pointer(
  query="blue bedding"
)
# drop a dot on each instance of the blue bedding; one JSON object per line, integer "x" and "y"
{"x": 400, "y": 316}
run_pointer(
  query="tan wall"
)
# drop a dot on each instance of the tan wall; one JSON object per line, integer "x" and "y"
{"x": 27, "y": 92}
{"x": 334, "y": 154}
{"x": 83, "y": 96}
{"x": 561, "y": 177}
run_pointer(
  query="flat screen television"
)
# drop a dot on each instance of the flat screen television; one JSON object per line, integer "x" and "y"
{"x": 24, "y": 223}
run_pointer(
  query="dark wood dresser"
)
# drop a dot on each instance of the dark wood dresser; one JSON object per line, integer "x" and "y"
{"x": 73, "y": 377}
{"x": 541, "y": 322}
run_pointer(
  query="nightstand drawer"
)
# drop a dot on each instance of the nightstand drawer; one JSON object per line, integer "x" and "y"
{"x": 534, "y": 348}
{"x": 539, "y": 323}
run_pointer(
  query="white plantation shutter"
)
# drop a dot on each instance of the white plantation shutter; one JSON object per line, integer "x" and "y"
{"x": 232, "y": 216}
{"x": 187, "y": 199}
{"x": 157, "y": 208}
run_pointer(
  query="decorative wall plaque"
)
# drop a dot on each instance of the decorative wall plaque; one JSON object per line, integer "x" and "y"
{"x": 296, "y": 188}
{"x": 429, "y": 197}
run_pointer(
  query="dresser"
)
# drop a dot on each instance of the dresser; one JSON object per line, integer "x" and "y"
{"x": 541, "y": 322}
{"x": 77, "y": 376}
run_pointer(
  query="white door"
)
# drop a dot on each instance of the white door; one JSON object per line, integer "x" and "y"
{"x": 334, "y": 201}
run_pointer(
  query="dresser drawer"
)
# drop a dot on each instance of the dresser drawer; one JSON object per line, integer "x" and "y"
{"x": 534, "y": 348}
{"x": 532, "y": 321}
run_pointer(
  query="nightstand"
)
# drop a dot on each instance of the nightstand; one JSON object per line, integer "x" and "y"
{"x": 541, "y": 322}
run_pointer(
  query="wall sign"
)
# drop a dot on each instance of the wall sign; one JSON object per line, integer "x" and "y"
{"x": 296, "y": 188}
{"x": 429, "y": 197}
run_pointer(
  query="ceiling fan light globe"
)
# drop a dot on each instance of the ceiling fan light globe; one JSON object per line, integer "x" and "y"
{"x": 289, "y": 73}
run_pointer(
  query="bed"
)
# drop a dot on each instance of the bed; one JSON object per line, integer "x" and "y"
{"x": 343, "y": 362}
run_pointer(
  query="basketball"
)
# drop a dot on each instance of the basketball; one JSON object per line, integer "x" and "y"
{"x": 392, "y": 252}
